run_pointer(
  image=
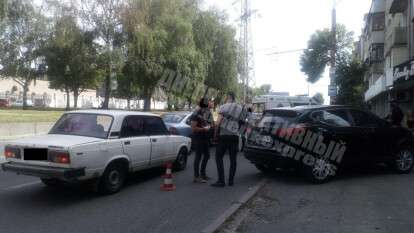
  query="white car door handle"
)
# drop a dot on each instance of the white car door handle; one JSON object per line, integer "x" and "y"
{"x": 154, "y": 140}
{"x": 127, "y": 143}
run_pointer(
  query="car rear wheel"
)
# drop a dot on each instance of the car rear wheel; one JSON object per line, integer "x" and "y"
{"x": 181, "y": 161}
{"x": 404, "y": 160}
{"x": 113, "y": 178}
{"x": 320, "y": 172}
{"x": 51, "y": 182}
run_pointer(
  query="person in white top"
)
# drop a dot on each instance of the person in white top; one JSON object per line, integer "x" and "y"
{"x": 231, "y": 116}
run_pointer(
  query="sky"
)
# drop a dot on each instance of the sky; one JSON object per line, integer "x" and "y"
{"x": 283, "y": 25}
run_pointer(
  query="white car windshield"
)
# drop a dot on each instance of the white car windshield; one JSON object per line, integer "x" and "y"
{"x": 83, "y": 124}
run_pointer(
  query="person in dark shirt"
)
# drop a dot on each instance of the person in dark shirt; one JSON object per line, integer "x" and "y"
{"x": 201, "y": 123}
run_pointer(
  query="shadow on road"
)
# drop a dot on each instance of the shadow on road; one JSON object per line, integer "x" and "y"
{"x": 296, "y": 177}
{"x": 69, "y": 194}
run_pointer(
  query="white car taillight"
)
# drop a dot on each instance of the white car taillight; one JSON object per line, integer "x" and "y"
{"x": 62, "y": 157}
{"x": 12, "y": 152}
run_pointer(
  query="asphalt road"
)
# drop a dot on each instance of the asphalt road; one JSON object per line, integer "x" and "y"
{"x": 29, "y": 206}
{"x": 364, "y": 200}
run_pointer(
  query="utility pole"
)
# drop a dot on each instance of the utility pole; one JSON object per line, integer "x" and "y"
{"x": 246, "y": 46}
{"x": 333, "y": 89}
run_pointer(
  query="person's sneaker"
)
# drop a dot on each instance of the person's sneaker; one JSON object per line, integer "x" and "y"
{"x": 218, "y": 185}
{"x": 206, "y": 178}
{"x": 231, "y": 183}
{"x": 199, "y": 180}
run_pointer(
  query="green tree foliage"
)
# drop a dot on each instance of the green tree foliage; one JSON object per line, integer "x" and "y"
{"x": 318, "y": 97}
{"x": 3, "y": 8}
{"x": 262, "y": 90}
{"x": 103, "y": 17}
{"x": 215, "y": 39}
{"x": 222, "y": 68}
{"x": 317, "y": 55}
{"x": 127, "y": 86}
{"x": 132, "y": 41}
{"x": 176, "y": 36}
{"x": 71, "y": 58}
{"x": 350, "y": 80}
{"x": 21, "y": 36}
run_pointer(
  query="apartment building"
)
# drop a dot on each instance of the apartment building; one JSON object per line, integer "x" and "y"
{"x": 386, "y": 46}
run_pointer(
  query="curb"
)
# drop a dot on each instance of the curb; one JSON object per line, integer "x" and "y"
{"x": 216, "y": 224}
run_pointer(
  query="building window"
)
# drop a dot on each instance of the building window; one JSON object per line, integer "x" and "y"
{"x": 378, "y": 21}
{"x": 377, "y": 52}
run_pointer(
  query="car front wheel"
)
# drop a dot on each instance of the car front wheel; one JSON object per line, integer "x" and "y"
{"x": 404, "y": 160}
{"x": 320, "y": 172}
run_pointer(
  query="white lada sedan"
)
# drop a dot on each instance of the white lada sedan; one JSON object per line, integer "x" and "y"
{"x": 99, "y": 145}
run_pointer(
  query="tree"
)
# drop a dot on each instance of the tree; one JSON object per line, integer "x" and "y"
{"x": 317, "y": 56}
{"x": 159, "y": 38}
{"x": 71, "y": 58}
{"x": 22, "y": 34}
{"x": 3, "y": 8}
{"x": 350, "y": 80}
{"x": 103, "y": 17}
{"x": 262, "y": 90}
{"x": 318, "y": 98}
{"x": 127, "y": 86}
{"x": 266, "y": 88}
{"x": 222, "y": 68}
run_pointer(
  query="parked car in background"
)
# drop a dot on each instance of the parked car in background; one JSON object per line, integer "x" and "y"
{"x": 98, "y": 145}
{"x": 19, "y": 103}
{"x": 178, "y": 123}
{"x": 4, "y": 103}
{"x": 368, "y": 139}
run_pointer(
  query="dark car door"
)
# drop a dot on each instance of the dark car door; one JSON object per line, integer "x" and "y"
{"x": 376, "y": 133}
{"x": 336, "y": 125}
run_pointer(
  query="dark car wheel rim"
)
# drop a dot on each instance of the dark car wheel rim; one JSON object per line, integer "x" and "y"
{"x": 114, "y": 178}
{"x": 320, "y": 169}
{"x": 405, "y": 160}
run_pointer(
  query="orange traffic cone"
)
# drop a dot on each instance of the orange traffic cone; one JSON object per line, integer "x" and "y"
{"x": 168, "y": 182}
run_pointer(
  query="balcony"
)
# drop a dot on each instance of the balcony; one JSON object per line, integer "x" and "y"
{"x": 397, "y": 38}
{"x": 378, "y": 87}
{"x": 398, "y": 6}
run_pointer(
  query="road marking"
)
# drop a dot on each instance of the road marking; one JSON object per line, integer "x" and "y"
{"x": 21, "y": 185}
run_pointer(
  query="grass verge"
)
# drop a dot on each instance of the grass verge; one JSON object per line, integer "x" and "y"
{"x": 20, "y": 116}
